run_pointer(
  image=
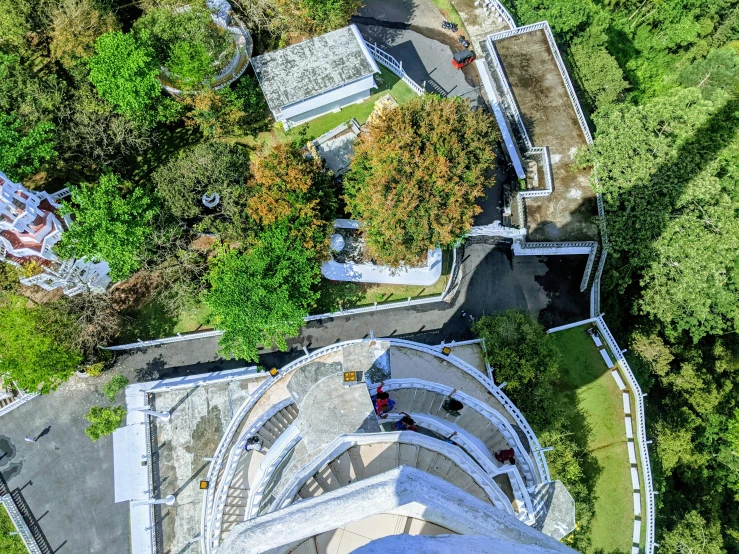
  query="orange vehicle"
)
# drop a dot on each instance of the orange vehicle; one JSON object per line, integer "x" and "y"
{"x": 463, "y": 58}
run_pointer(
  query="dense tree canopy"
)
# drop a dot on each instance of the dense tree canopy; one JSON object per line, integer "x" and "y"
{"x": 186, "y": 42}
{"x": 291, "y": 188}
{"x": 75, "y": 25}
{"x": 207, "y": 168}
{"x": 112, "y": 222}
{"x": 125, "y": 73}
{"x": 522, "y": 356}
{"x": 36, "y": 344}
{"x": 416, "y": 174}
{"x": 261, "y": 295}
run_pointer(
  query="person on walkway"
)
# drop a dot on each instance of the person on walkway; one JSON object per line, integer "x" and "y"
{"x": 463, "y": 314}
{"x": 383, "y": 402}
{"x": 29, "y": 439}
{"x": 406, "y": 423}
{"x": 452, "y": 406}
{"x": 253, "y": 443}
{"x": 506, "y": 455}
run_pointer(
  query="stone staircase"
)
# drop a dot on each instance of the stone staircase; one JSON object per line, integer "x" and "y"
{"x": 364, "y": 461}
{"x": 238, "y": 491}
{"x": 426, "y": 402}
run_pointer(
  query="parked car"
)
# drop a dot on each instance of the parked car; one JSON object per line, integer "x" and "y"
{"x": 463, "y": 58}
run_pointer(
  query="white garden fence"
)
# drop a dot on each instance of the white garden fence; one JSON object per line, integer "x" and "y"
{"x": 395, "y": 66}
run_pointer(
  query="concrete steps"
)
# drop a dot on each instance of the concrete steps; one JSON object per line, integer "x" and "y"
{"x": 237, "y": 499}
{"x": 425, "y": 402}
{"x": 361, "y": 462}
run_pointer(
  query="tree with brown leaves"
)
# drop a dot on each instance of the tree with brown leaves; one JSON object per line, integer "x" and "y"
{"x": 416, "y": 174}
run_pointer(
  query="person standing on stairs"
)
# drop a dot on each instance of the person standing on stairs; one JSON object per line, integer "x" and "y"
{"x": 382, "y": 401}
{"x": 253, "y": 443}
{"x": 406, "y": 423}
{"x": 506, "y": 456}
{"x": 452, "y": 406}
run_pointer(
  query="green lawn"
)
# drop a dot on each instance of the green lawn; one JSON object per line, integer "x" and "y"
{"x": 336, "y": 295}
{"x": 587, "y": 385}
{"x": 316, "y": 127}
{"x": 9, "y": 544}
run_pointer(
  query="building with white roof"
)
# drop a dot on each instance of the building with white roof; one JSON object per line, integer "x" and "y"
{"x": 316, "y": 76}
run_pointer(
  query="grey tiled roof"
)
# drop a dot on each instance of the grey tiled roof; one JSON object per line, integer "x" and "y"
{"x": 312, "y": 67}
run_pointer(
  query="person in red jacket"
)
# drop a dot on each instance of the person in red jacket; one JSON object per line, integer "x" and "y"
{"x": 506, "y": 456}
{"x": 383, "y": 402}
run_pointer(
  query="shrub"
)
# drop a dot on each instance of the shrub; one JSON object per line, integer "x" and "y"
{"x": 111, "y": 388}
{"x": 95, "y": 370}
{"x": 104, "y": 421}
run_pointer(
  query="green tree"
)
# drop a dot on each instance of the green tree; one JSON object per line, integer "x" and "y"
{"x": 14, "y": 26}
{"x": 693, "y": 534}
{"x": 523, "y": 356}
{"x": 112, "y": 222}
{"x": 261, "y": 295}
{"x": 22, "y": 153}
{"x": 598, "y": 74}
{"x": 125, "y": 73}
{"x": 670, "y": 201}
{"x": 114, "y": 386}
{"x": 566, "y": 17}
{"x": 35, "y": 344}
{"x": 186, "y": 42}
{"x": 207, "y": 168}
{"x": 104, "y": 421}
{"x": 416, "y": 174}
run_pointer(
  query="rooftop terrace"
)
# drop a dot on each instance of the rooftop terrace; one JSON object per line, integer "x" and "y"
{"x": 550, "y": 120}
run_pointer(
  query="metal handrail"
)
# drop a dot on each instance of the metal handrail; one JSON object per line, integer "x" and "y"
{"x": 20, "y": 524}
{"x": 490, "y": 414}
{"x": 343, "y": 443}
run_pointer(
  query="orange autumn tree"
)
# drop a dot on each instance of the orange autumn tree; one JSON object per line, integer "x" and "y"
{"x": 416, "y": 174}
{"x": 289, "y": 187}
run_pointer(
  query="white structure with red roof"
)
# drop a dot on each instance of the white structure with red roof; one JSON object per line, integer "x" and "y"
{"x": 30, "y": 225}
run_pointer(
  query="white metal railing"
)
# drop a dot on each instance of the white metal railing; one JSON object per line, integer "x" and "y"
{"x": 641, "y": 428}
{"x": 217, "y": 462}
{"x": 544, "y": 25}
{"x": 493, "y": 416}
{"x": 499, "y": 395}
{"x": 345, "y": 442}
{"x": 595, "y": 290}
{"x": 234, "y": 457}
{"x": 20, "y": 524}
{"x": 266, "y": 474}
{"x": 395, "y": 66}
{"x": 543, "y": 153}
{"x": 17, "y": 403}
{"x": 588, "y": 268}
{"x": 520, "y": 492}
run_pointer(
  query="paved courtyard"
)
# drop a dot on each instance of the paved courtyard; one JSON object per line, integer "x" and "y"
{"x": 65, "y": 479}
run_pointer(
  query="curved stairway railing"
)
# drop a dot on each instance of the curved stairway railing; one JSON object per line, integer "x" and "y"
{"x": 520, "y": 492}
{"x": 232, "y": 464}
{"x": 345, "y": 442}
{"x": 481, "y": 408}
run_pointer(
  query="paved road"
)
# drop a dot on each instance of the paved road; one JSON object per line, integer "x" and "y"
{"x": 65, "y": 478}
{"x": 491, "y": 280}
